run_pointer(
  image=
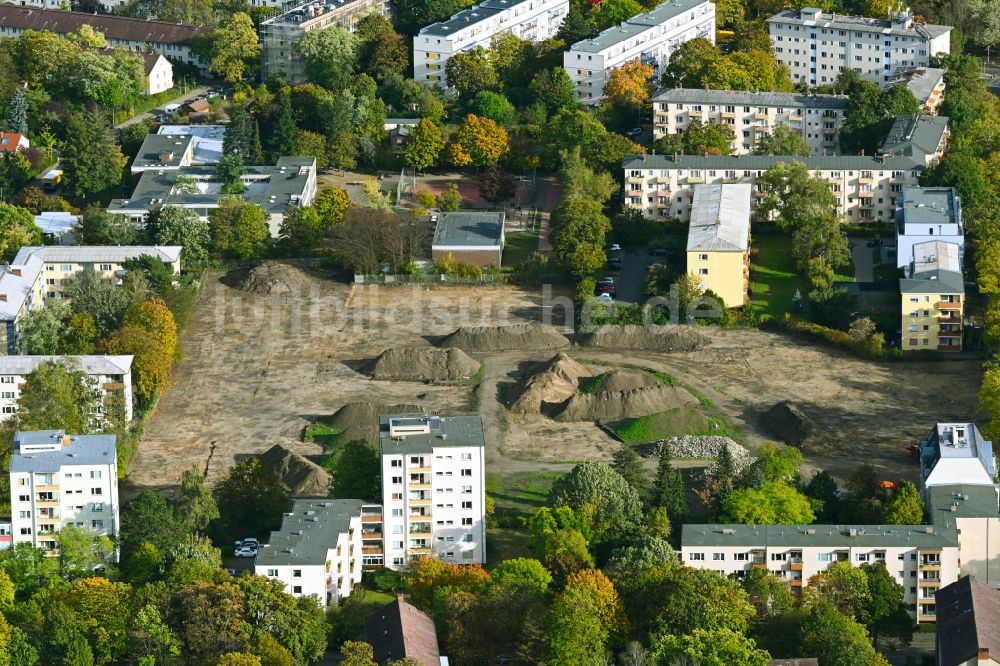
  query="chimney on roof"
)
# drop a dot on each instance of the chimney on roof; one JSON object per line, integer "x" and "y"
{"x": 718, "y": 222}
{"x": 3, "y": 298}
{"x": 65, "y": 440}
{"x": 984, "y": 653}
{"x": 15, "y": 271}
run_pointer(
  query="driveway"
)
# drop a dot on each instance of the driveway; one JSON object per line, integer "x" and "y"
{"x": 864, "y": 265}
{"x": 194, "y": 92}
{"x": 632, "y": 279}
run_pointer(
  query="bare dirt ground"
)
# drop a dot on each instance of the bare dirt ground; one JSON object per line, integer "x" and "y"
{"x": 257, "y": 368}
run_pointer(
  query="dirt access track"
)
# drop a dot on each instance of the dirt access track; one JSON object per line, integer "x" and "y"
{"x": 256, "y": 369}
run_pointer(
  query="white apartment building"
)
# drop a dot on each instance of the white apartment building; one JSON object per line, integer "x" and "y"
{"x": 925, "y": 214}
{"x": 57, "y": 479}
{"x": 110, "y": 376}
{"x": 956, "y": 453}
{"x": 176, "y": 146}
{"x": 317, "y": 550}
{"x": 816, "y": 46}
{"x": 533, "y": 20}
{"x": 752, "y": 115}
{"x": 649, "y": 37}
{"x": 866, "y": 188}
{"x": 433, "y": 493}
{"x": 921, "y": 558}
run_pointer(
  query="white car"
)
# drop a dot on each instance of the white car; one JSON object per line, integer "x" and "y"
{"x": 605, "y": 298}
{"x": 246, "y": 551}
{"x": 615, "y": 247}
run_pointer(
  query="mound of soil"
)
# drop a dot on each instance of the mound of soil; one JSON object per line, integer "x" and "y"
{"x": 424, "y": 364}
{"x": 551, "y": 382}
{"x": 516, "y": 337}
{"x": 613, "y": 405}
{"x": 620, "y": 380}
{"x": 359, "y": 420}
{"x": 300, "y": 476}
{"x": 645, "y": 338}
{"x": 274, "y": 277}
{"x": 791, "y": 425}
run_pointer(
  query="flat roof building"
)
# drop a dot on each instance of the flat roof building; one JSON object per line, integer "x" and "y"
{"x": 316, "y": 551}
{"x": 279, "y": 34}
{"x": 291, "y": 182}
{"x": 933, "y": 298}
{"x": 816, "y": 45}
{"x": 649, "y": 38}
{"x": 477, "y": 26}
{"x": 919, "y": 137}
{"x": 752, "y": 115}
{"x": 175, "y": 146}
{"x": 718, "y": 246}
{"x": 926, "y": 84}
{"x": 471, "y": 238}
{"x": 956, "y": 453}
{"x": 927, "y": 214}
{"x": 111, "y": 377}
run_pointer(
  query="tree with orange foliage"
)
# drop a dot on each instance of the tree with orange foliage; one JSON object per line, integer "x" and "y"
{"x": 154, "y": 316}
{"x": 429, "y": 573}
{"x": 151, "y": 365}
{"x": 629, "y": 85}
{"x": 610, "y": 609}
{"x": 478, "y": 142}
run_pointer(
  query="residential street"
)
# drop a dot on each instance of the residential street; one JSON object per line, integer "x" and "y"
{"x": 194, "y": 92}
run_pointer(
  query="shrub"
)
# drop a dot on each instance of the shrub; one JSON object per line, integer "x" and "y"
{"x": 872, "y": 347}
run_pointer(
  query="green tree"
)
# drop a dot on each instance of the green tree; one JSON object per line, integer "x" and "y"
{"x": 174, "y": 225}
{"x": 472, "y": 72}
{"x": 242, "y": 135}
{"x": 151, "y": 637}
{"x": 17, "y": 112}
{"x": 296, "y": 624}
{"x": 239, "y": 230}
{"x": 424, "y": 145}
{"x": 355, "y": 472}
{"x": 773, "y": 503}
{"x": 330, "y": 56}
{"x": 82, "y": 553}
{"x": 554, "y": 88}
{"x": 96, "y": 226}
{"x": 576, "y": 27}
{"x": 208, "y": 620}
{"x": 627, "y": 462}
{"x": 56, "y": 395}
{"x": 100, "y": 298}
{"x": 149, "y": 519}
{"x": 575, "y": 632}
{"x": 495, "y": 106}
{"x": 235, "y": 48}
{"x": 42, "y": 331}
{"x": 522, "y": 572}
{"x": 905, "y": 508}
{"x": 17, "y": 229}
{"x": 669, "y": 490}
{"x": 599, "y": 491}
{"x": 579, "y": 179}
{"x": 250, "y": 499}
{"x": 451, "y": 199}
{"x": 281, "y": 138}
{"x": 195, "y": 504}
{"x": 838, "y": 637}
{"x": 578, "y": 220}
{"x": 782, "y": 140}
{"x": 889, "y": 617}
{"x": 102, "y": 606}
{"x": 720, "y": 647}
{"x": 28, "y": 567}
{"x": 301, "y": 231}
{"x": 709, "y": 138}
{"x": 91, "y": 160}
{"x": 775, "y": 462}
{"x": 230, "y": 171}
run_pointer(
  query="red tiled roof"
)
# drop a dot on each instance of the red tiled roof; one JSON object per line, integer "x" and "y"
{"x": 113, "y": 27}
{"x": 9, "y": 141}
{"x": 400, "y": 630}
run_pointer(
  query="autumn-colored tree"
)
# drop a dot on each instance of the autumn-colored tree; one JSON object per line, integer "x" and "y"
{"x": 103, "y": 606}
{"x": 629, "y": 85}
{"x": 154, "y": 316}
{"x": 151, "y": 365}
{"x": 331, "y": 203}
{"x": 425, "y": 144}
{"x": 609, "y": 606}
{"x": 429, "y": 573}
{"x": 478, "y": 142}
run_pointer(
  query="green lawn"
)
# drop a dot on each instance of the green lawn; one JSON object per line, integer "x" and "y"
{"x": 518, "y": 246}
{"x": 506, "y": 543}
{"x": 775, "y": 278}
{"x": 520, "y": 492}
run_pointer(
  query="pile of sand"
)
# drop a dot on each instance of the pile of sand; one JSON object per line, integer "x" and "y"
{"x": 551, "y": 382}
{"x": 516, "y": 337}
{"x": 645, "y": 338}
{"x": 788, "y": 423}
{"x": 273, "y": 277}
{"x": 299, "y": 476}
{"x": 620, "y": 380}
{"x": 615, "y": 405}
{"x": 424, "y": 364}
{"x": 359, "y": 420}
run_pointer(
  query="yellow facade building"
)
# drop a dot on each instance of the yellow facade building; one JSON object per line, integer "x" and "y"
{"x": 933, "y": 298}
{"x": 718, "y": 248}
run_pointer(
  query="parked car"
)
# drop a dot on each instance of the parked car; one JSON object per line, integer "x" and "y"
{"x": 606, "y": 286}
{"x": 659, "y": 252}
{"x": 656, "y": 266}
{"x": 614, "y": 264}
{"x": 245, "y": 551}
{"x": 605, "y": 298}
{"x": 634, "y": 132}
{"x": 615, "y": 247}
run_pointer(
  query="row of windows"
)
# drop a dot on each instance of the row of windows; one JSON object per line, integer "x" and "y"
{"x": 820, "y": 557}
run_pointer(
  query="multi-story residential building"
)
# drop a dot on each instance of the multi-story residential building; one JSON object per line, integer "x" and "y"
{"x": 533, "y": 20}
{"x": 752, "y": 115}
{"x": 111, "y": 377}
{"x": 433, "y": 492}
{"x": 291, "y": 182}
{"x": 933, "y": 298}
{"x": 36, "y": 274}
{"x": 927, "y": 214}
{"x": 169, "y": 39}
{"x": 718, "y": 247}
{"x": 279, "y": 34}
{"x": 921, "y": 558}
{"x": 918, "y": 137}
{"x": 317, "y": 550}
{"x": 176, "y": 146}
{"x": 865, "y": 187}
{"x": 968, "y": 627}
{"x": 926, "y": 84}
{"x": 974, "y": 509}
{"x": 58, "y": 479}
{"x": 956, "y": 454}
{"x": 816, "y": 46}
{"x": 649, "y": 38}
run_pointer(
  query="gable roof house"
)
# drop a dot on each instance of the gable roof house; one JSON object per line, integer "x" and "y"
{"x": 968, "y": 626}
{"x": 400, "y": 630}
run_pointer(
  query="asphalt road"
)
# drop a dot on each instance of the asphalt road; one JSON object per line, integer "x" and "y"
{"x": 194, "y": 92}
{"x": 632, "y": 278}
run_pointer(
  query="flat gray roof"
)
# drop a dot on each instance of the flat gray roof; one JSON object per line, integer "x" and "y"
{"x": 933, "y": 281}
{"x": 82, "y": 450}
{"x": 968, "y": 501}
{"x": 169, "y": 147}
{"x": 308, "y": 531}
{"x": 750, "y": 98}
{"x": 826, "y": 536}
{"x": 720, "y": 218}
{"x": 930, "y": 205}
{"x": 16, "y": 286}
{"x": 636, "y": 25}
{"x": 858, "y": 23}
{"x": 469, "y": 17}
{"x": 445, "y": 431}
{"x": 463, "y": 229}
{"x": 764, "y": 162}
{"x": 97, "y": 253}
{"x": 921, "y": 81}
{"x": 92, "y": 365}
{"x": 915, "y": 135}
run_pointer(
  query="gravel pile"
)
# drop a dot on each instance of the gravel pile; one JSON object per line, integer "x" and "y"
{"x": 424, "y": 364}
{"x": 516, "y": 337}
{"x": 274, "y": 277}
{"x": 617, "y": 405}
{"x": 703, "y": 447}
